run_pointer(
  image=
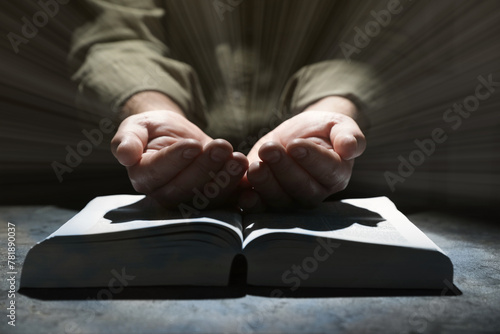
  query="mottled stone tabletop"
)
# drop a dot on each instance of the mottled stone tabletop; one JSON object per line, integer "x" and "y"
{"x": 471, "y": 239}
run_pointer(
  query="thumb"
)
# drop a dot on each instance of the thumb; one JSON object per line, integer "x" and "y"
{"x": 129, "y": 142}
{"x": 347, "y": 139}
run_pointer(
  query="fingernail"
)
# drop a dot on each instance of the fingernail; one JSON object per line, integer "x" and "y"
{"x": 121, "y": 145}
{"x": 234, "y": 168}
{"x": 248, "y": 200}
{"x": 260, "y": 175}
{"x": 218, "y": 154}
{"x": 190, "y": 153}
{"x": 350, "y": 145}
{"x": 299, "y": 152}
{"x": 350, "y": 139}
{"x": 272, "y": 156}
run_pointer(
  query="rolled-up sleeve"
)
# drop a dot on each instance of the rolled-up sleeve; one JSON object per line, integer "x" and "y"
{"x": 121, "y": 51}
{"x": 355, "y": 81}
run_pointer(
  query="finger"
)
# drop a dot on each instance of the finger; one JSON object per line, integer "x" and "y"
{"x": 323, "y": 164}
{"x": 294, "y": 179}
{"x": 228, "y": 178}
{"x": 250, "y": 201}
{"x": 189, "y": 181}
{"x": 267, "y": 186}
{"x": 213, "y": 193}
{"x": 244, "y": 183}
{"x": 347, "y": 139}
{"x": 129, "y": 141}
{"x": 253, "y": 155}
{"x": 158, "y": 168}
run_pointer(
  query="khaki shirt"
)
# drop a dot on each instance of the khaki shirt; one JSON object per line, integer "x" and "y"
{"x": 236, "y": 68}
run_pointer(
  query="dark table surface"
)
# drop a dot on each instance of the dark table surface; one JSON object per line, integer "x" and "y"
{"x": 471, "y": 239}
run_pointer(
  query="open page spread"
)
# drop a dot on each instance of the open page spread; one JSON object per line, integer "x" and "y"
{"x": 367, "y": 220}
{"x": 118, "y": 213}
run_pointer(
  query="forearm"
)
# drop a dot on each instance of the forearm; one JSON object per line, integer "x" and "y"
{"x": 343, "y": 106}
{"x": 353, "y": 82}
{"x": 127, "y": 69}
{"x": 148, "y": 101}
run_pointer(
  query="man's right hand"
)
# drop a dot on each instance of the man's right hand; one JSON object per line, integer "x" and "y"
{"x": 167, "y": 157}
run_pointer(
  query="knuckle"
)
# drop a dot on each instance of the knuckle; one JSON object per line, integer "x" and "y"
{"x": 343, "y": 184}
{"x": 340, "y": 185}
{"x": 203, "y": 171}
{"x": 154, "y": 176}
{"x": 307, "y": 191}
{"x": 141, "y": 181}
{"x": 310, "y": 198}
{"x": 169, "y": 195}
{"x": 140, "y": 187}
{"x": 329, "y": 178}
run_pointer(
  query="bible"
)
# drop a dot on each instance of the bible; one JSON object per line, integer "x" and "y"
{"x": 351, "y": 243}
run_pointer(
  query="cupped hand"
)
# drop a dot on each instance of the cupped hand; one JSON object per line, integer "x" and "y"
{"x": 170, "y": 159}
{"x": 305, "y": 159}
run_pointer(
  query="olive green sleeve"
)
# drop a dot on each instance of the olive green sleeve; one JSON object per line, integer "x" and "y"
{"x": 311, "y": 83}
{"x": 121, "y": 51}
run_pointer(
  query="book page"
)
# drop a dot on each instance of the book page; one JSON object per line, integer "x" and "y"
{"x": 118, "y": 213}
{"x": 367, "y": 220}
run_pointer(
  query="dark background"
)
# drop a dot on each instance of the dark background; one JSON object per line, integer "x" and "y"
{"x": 450, "y": 44}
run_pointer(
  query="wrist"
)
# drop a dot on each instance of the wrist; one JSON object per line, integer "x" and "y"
{"x": 338, "y": 104}
{"x": 148, "y": 101}
{"x": 343, "y": 106}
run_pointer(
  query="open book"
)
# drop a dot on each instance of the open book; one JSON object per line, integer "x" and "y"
{"x": 353, "y": 243}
